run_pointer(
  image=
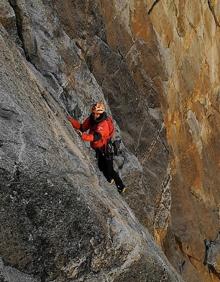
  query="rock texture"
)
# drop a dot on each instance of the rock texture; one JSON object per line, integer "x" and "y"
{"x": 190, "y": 45}
{"x": 166, "y": 55}
{"x": 212, "y": 258}
{"x": 10, "y": 274}
{"x": 120, "y": 67}
{"x": 60, "y": 219}
{"x": 156, "y": 65}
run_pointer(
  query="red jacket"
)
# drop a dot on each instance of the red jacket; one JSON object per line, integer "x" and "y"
{"x": 99, "y": 131}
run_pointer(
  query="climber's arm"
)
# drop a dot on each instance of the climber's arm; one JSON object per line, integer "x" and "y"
{"x": 91, "y": 137}
{"x": 82, "y": 127}
{"x": 101, "y": 132}
{"x": 74, "y": 122}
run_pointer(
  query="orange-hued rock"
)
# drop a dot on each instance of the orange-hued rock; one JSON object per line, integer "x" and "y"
{"x": 176, "y": 44}
{"x": 60, "y": 218}
{"x": 156, "y": 64}
{"x": 192, "y": 120}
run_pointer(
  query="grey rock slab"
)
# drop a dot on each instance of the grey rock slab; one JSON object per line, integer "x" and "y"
{"x": 11, "y": 274}
{"x": 58, "y": 220}
{"x": 212, "y": 255}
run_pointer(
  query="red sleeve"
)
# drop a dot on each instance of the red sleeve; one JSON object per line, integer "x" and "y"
{"x": 87, "y": 137}
{"x": 85, "y": 125}
{"x": 74, "y": 122}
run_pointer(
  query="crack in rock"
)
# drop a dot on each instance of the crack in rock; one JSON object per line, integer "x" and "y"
{"x": 152, "y": 7}
{"x": 18, "y": 20}
{"x": 211, "y": 5}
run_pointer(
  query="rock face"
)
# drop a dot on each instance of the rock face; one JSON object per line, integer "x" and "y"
{"x": 120, "y": 64}
{"x": 155, "y": 64}
{"x": 212, "y": 258}
{"x": 60, "y": 219}
{"x": 190, "y": 45}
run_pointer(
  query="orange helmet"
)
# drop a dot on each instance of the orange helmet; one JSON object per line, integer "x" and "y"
{"x": 98, "y": 108}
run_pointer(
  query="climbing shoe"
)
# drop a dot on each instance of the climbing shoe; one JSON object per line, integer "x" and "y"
{"x": 121, "y": 190}
{"x": 111, "y": 181}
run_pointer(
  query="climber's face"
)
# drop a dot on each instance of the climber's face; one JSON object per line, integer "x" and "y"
{"x": 96, "y": 115}
{"x": 98, "y": 109}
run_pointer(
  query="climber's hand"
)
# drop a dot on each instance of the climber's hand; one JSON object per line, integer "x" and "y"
{"x": 87, "y": 137}
{"x": 74, "y": 122}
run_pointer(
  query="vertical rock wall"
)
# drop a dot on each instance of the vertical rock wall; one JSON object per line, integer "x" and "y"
{"x": 182, "y": 38}
{"x": 156, "y": 64}
{"x": 188, "y": 35}
{"x": 60, "y": 219}
{"x": 129, "y": 70}
{"x": 166, "y": 55}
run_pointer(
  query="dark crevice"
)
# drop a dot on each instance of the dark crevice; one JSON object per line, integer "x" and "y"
{"x": 212, "y": 9}
{"x": 44, "y": 96}
{"x": 29, "y": 51}
{"x": 18, "y": 19}
{"x": 19, "y": 26}
{"x": 30, "y": 57}
{"x": 165, "y": 146}
{"x": 152, "y": 7}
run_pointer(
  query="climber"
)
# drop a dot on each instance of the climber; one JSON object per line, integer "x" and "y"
{"x": 101, "y": 129}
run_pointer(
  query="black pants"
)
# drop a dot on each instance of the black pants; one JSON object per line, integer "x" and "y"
{"x": 105, "y": 164}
